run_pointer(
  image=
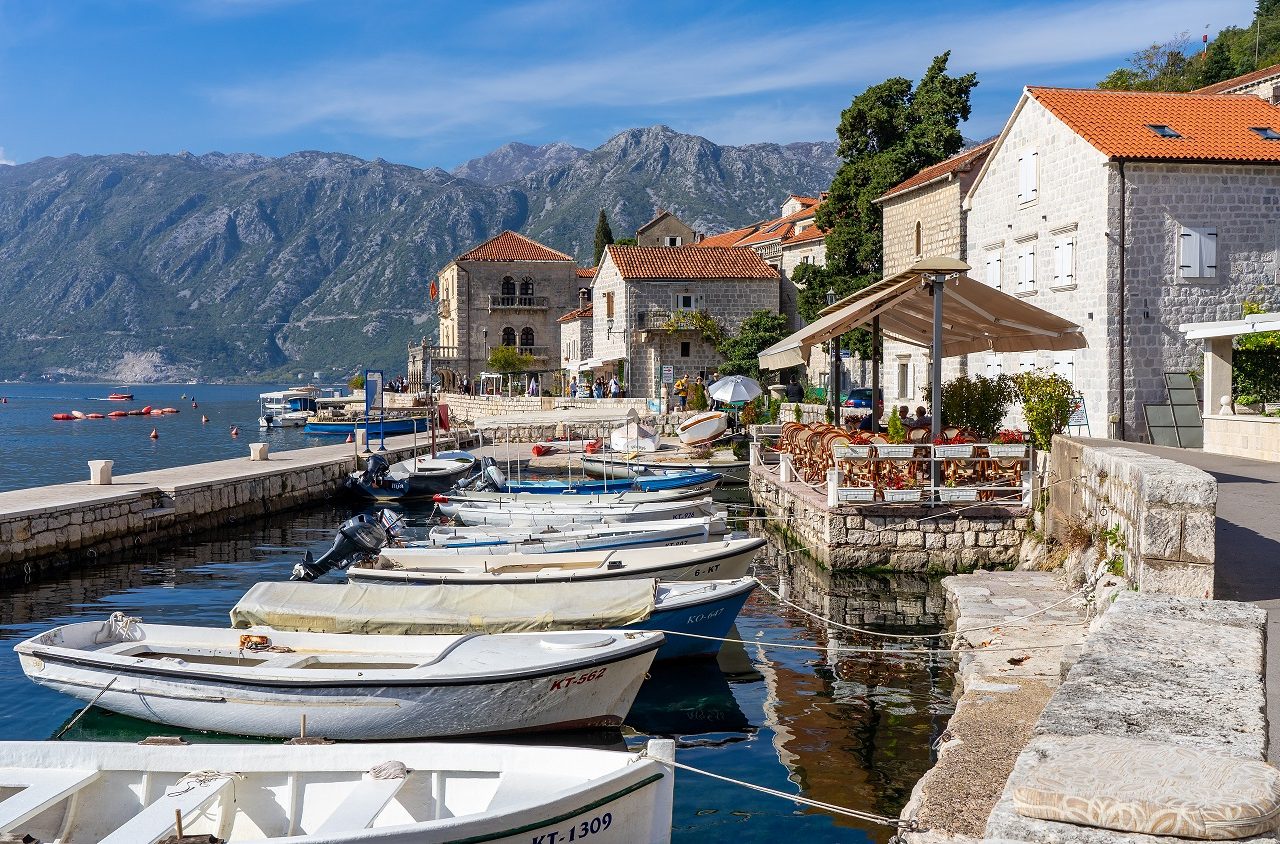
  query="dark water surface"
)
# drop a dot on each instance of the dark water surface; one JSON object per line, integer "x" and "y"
{"x": 40, "y": 451}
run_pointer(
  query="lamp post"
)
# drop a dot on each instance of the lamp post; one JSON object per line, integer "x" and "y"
{"x": 834, "y": 379}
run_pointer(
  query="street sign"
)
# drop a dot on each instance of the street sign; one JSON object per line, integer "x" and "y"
{"x": 1079, "y": 414}
{"x": 668, "y": 374}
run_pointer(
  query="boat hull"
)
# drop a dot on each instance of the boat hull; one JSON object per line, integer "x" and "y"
{"x": 528, "y": 517}
{"x": 387, "y": 427}
{"x": 703, "y": 428}
{"x": 712, "y": 619}
{"x": 731, "y": 472}
{"x": 699, "y": 481}
{"x": 551, "y": 543}
{"x": 586, "y": 693}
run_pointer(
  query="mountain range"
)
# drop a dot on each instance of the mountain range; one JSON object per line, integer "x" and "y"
{"x": 158, "y": 267}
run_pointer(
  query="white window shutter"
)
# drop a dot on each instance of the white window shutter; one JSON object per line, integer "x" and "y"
{"x": 1034, "y": 188}
{"x": 1188, "y": 253}
{"x": 1022, "y": 179}
{"x": 1208, "y": 253}
{"x": 1069, "y": 261}
{"x": 1058, "y": 255}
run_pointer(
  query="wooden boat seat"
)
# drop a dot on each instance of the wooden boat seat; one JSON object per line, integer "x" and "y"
{"x": 156, "y": 821}
{"x": 362, "y": 806}
{"x": 40, "y": 789}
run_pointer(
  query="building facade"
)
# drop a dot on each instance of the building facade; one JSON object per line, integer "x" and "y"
{"x": 648, "y": 303}
{"x": 665, "y": 229}
{"x": 1128, "y": 213}
{"x": 508, "y": 291}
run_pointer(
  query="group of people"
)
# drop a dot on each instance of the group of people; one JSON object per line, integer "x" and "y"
{"x": 921, "y": 419}
{"x": 685, "y": 384}
{"x": 399, "y": 384}
{"x": 597, "y": 389}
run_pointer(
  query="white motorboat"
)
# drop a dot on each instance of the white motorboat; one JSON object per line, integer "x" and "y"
{"x": 481, "y": 498}
{"x": 720, "y": 560}
{"x": 420, "y": 793}
{"x": 452, "y": 535}
{"x": 287, "y": 408}
{"x": 730, "y": 469}
{"x": 634, "y": 437}
{"x": 702, "y": 427}
{"x": 691, "y": 531}
{"x": 558, "y": 514}
{"x": 355, "y": 688}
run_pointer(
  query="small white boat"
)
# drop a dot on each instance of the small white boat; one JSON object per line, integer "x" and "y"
{"x": 117, "y": 793}
{"x": 355, "y": 688}
{"x": 451, "y": 535}
{"x": 731, "y": 470}
{"x": 692, "y": 531}
{"x": 627, "y": 495}
{"x": 724, "y": 559}
{"x": 287, "y": 408}
{"x": 558, "y": 513}
{"x": 703, "y": 427}
{"x": 633, "y": 437}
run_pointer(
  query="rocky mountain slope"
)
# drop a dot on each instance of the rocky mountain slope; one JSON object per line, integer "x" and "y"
{"x": 143, "y": 267}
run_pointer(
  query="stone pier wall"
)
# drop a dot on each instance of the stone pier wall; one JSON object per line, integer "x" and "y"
{"x": 1160, "y": 515}
{"x": 909, "y": 538}
{"x": 46, "y": 529}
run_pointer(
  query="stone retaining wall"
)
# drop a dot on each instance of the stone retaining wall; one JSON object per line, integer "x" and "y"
{"x": 907, "y": 538}
{"x": 1161, "y": 514}
{"x": 45, "y": 529}
{"x": 1252, "y": 436}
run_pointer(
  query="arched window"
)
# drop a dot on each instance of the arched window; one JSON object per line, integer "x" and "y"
{"x": 508, "y": 336}
{"x": 919, "y": 240}
{"x": 508, "y": 286}
{"x": 526, "y": 337}
{"x": 526, "y": 286}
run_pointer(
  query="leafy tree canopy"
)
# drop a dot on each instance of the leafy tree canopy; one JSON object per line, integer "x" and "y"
{"x": 759, "y": 331}
{"x": 507, "y": 359}
{"x": 604, "y": 237}
{"x": 625, "y": 241}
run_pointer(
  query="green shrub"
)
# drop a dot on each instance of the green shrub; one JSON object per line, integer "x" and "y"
{"x": 896, "y": 429}
{"x": 697, "y": 397}
{"x": 775, "y": 410}
{"x": 799, "y": 412}
{"x": 977, "y": 403}
{"x": 1047, "y": 399}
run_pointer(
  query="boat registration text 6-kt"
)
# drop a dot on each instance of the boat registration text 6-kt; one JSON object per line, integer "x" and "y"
{"x": 577, "y": 832}
{"x": 566, "y": 682}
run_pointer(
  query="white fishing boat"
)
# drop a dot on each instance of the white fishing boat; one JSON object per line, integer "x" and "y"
{"x": 505, "y": 514}
{"x": 449, "y": 535}
{"x": 719, "y": 560}
{"x": 419, "y": 793}
{"x": 354, "y": 688}
{"x": 691, "y": 531}
{"x": 625, "y": 495}
{"x": 634, "y": 437}
{"x": 287, "y": 408}
{"x": 702, "y": 427}
{"x": 615, "y": 467}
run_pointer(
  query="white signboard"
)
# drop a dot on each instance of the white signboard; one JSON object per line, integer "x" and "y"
{"x": 668, "y": 374}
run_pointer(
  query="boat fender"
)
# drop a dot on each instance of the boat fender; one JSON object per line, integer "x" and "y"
{"x": 154, "y": 434}
{"x": 440, "y": 498}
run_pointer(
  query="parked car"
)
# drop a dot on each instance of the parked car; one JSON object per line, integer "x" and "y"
{"x": 861, "y": 397}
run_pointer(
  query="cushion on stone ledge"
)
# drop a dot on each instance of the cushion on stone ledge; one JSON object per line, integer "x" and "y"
{"x": 1150, "y": 787}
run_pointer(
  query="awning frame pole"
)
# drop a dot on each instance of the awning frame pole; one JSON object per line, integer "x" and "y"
{"x": 875, "y": 375}
{"x": 937, "y": 288}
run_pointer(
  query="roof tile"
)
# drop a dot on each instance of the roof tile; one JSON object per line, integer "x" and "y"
{"x": 1213, "y": 127}
{"x": 957, "y": 163}
{"x": 579, "y": 313}
{"x": 730, "y": 238}
{"x": 585, "y": 272}
{"x": 510, "y": 246}
{"x": 1251, "y": 78}
{"x": 693, "y": 262}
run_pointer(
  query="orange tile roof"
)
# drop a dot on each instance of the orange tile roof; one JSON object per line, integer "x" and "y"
{"x": 811, "y": 233}
{"x": 510, "y": 246}
{"x": 1240, "y": 81}
{"x": 692, "y": 262}
{"x": 585, "y": 272}
{"x": 1214, "y": 127}
{"x": 774, "y": 231}
{"x": 580, "y": 313}
{"x": 729, "y": 238}
{"x": 958, "y": 163}
{"x": 807, "y": 200}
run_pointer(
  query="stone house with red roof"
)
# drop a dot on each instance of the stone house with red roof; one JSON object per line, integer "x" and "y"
{"x": 1128, "y": 213}
{"x": 643, "y": 303}
{"x": 666, "y": 229}
{"x": 508, "y": 291}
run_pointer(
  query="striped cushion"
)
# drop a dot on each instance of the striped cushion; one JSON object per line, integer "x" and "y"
{"x": 1149, "y": 787}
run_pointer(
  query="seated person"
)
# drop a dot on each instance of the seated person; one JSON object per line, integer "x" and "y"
{"x": 923, "y": 419}
{"x": 865, "y": 424}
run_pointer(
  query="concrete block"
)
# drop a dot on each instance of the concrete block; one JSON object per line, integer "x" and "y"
{"x": 100, "y": 472}
{"x": 258, "y": 451}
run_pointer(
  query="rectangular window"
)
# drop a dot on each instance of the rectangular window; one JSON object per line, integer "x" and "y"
{"x": 684, "y": 348}
{"x": 1064, "y": 364}
{"x": 1026, "y": 362}
{"x": 608, "y": 305}
{"x": 1028, "y": 176}
{"x": 904, "y": 378}
{"x": 674, "y": 241}
{"x": 1197, "y": 252}
{"x": 685, "y": 302}
{"x": 1026, "y": 269}
{"x": 1064, "y": 262}
{"x": 994, "y": 366}
{"x": 993, "y": 269}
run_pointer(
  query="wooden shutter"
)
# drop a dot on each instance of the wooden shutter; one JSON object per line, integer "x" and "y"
{"x": 1188, "y": 253}
{"x": 1208, "y": 253}
{"x": 993, "y": 270}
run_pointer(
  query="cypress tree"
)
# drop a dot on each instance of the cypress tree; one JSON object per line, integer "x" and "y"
{"x": 604, "y": 236}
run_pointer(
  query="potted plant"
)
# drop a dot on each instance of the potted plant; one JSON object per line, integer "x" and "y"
{"x": 902, "y": 489}
{"x": 944, "y": 447}
{"x": 1008, "y": 443}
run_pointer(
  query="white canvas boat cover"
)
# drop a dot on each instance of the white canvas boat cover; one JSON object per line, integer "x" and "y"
{"x": 490, "y": 608}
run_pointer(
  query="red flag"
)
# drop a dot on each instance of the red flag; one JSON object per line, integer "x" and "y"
{"x": 435, "y": 290}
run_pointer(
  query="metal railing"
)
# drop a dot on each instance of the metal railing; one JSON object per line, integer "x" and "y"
{"x": 527, "y": 302}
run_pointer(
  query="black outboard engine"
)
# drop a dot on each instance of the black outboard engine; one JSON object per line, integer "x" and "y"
{"x": 359, "y": 538}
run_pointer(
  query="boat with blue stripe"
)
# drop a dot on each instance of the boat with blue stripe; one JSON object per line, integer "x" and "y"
{"x": 655, "y": 483}
{"x": 391, "y": 426}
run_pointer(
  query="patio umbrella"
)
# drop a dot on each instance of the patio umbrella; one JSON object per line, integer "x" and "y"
{"x": 735, "y": 388}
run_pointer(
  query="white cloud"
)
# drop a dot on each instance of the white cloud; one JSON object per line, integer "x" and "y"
{"x": 417, "y": 95}
{"x": 5, "y": 161}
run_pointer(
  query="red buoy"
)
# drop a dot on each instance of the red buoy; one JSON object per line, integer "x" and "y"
{"x": 235, "y": 432}
{"x": 350, "y": 438}
{"x": 146, "y": 410}
{"x": 168, "y": 410}
{"x": 154, "y": 435}
{"x": 117, "y": 414}
{"x": 193, "y": 404}
{"x": 62, "y": 417}
{"x": 94, "y": 416}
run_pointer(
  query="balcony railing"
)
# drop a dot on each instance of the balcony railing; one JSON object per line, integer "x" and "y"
{"x": 519, "y": 302}
{"x": 534, "y": 351}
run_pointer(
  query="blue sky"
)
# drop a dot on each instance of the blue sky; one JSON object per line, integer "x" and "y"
{"x": 435, "y": 83}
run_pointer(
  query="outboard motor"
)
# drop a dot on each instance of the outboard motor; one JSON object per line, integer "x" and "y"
{"x": 359, "y": 538}
{"x": 496, "y": 479}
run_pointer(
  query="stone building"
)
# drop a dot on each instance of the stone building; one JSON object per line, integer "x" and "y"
{"x": 508, "y": 291}
{"x": 1128, "y": 213}
{"x": 665, "y": 229}
{"x": 923, "y": 218}
{"x": 576, "y": 331}
{"x": 1264, "y": 83}
{"x": 645, "y": 300}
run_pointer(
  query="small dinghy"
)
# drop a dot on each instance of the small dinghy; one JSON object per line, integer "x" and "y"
{"x": 704, "y": 609}
{"x": 633, "y": 437}
{"x": 454, "y": 535}
{"x": 730, "y": 470}
{"x": 416, "y": 477}
{"x": 725, "y": 559}
{"x": 703, "y": 427}
{"x": 353, "y": 688}
{"x": 620, "y": 496}
{"x": 116, "y": 793}
{"x": 507, "y": 514}
{"x": 692, "y": 532}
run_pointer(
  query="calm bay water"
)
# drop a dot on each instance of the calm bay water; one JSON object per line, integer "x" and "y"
{"x": 40, "y": 451}
{"x": 849, "y": 729}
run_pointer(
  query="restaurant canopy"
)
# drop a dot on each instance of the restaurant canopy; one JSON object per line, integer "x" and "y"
{"x": 976, "y": 317}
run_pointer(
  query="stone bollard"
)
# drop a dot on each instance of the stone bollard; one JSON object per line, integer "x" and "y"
{"x": 258, "y": 451}
{"x": 100, "y": 472}
{"x": 362, "y": 439}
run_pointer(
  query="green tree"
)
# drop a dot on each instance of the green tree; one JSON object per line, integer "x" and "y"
{"x": 507, "y": 359}
{"x": 625, "y": 241}
{"x": 759, "y": 331}
{"x": 604, "y": 237}
{"x": 1158, "y": 67}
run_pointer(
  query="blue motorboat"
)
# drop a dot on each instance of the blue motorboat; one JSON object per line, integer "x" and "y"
{"x": 655, "y": 483}
{"x": 385, "y": 427}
